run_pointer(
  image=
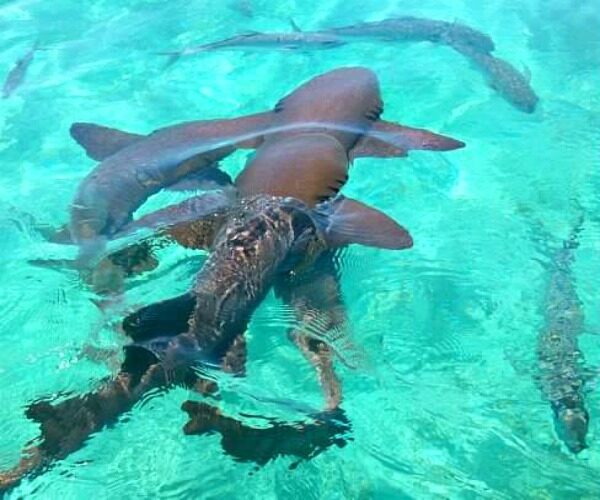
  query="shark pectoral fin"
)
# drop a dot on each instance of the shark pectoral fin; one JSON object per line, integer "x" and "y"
{"x": 321, "y": 332}
{"x": 349, "y": 221}
{"x": 101, "y": 142}
{"x": 166, "y": 318}
{"x": 192, "y": 223}
{"x": 372, "y": 147}
{"x": 61, "y": 236}
{"x": 205, "y": 179}
{"x": 392, "y": 139}
{"x": 55, "y": 264}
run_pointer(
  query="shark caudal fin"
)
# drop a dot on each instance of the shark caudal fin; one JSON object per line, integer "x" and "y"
{"x": 101, "y": 142}
{"x": 387, "y": 139}
{"x": 295, "y": 26}
{"x": 348, "y": 221}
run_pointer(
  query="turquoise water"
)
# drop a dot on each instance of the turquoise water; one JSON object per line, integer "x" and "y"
{"x": 447, "y": 405}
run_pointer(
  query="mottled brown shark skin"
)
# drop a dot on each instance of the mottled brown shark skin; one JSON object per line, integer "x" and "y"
{"x": 190, "y": 223}
{"x": 262, "y": 237}
{"x": 416, "y": 29}
{"x": 270, "y": 236}
{"x": 560, "y": 372}
{"x": 503, "y": 77}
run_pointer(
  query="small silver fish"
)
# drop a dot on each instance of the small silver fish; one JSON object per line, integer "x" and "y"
{"x": 255, "y": 40}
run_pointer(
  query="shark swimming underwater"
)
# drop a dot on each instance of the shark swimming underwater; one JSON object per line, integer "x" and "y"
{"x": 16, "y": 75}
{"x": 275, "y": 228}
{"x": 345, "y": 102}
{"x": 253, "y": 40}
{"x": 261, "y": 238}
{"x": 560, "y": 371}
{"x": 502, "y": 77}
{"x": 416, "y": 29}
{"x": 476, "y": 46}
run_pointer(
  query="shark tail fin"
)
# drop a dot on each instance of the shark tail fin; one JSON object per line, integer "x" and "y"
{"x": 172, "y": 57}
{"x": 295, "y": 27}
{"x": 348, "y": 221}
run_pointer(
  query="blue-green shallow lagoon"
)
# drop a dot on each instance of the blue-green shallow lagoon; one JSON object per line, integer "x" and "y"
{"x": 447, "y": 405}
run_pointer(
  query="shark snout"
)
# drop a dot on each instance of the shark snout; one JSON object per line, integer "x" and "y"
{"x": 572, "y": 427}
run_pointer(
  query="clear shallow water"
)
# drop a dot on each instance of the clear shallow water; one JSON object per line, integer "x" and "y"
{"x": 448, "y": 404}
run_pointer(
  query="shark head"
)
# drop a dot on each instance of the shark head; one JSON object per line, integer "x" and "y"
{"x": 572, "y": 425}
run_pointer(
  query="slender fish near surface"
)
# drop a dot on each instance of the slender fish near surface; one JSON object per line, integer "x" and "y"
{"x": 560, "y": 372}
{"x": 254, "y": 40}
{"x": 17, "y": 74}
{"x": 416, "y": 29}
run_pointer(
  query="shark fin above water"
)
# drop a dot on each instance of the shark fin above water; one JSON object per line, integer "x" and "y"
{"x": 349, "y": 221}
{"x": 101, "y": 142}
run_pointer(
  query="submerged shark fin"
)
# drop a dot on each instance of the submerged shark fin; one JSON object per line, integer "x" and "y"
{"x": 205, "y": 179}
{"x": 101, "y": 142}
{"x": 166, "y": 318}
{"x": 60, "y": 235}
{"x": 55, "y": 264}
{"x": 387, "y": 139}
{"x": 349, "y": 221}
{"x": 295, "y": 27}
{"x": 375, "y": 148}
{"x": 192, "y": 223}
{"x": 316, "y": 299}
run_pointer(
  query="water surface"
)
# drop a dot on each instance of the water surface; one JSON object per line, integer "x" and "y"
{"x": 448, "y": 405}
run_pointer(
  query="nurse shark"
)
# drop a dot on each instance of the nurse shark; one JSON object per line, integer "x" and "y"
{"x": 503, "y": 77}
{"x": 416, "y": 29}
{"x": 321, "y": 156}
{"x": 560, "y": 373}
{"x": 345, "y": 103}
{"x": 260, "y": 239}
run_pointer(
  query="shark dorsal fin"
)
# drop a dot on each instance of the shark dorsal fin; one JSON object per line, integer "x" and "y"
{"x": 101, "y": 142}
